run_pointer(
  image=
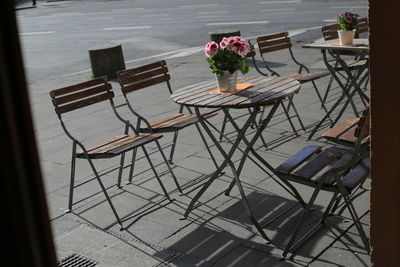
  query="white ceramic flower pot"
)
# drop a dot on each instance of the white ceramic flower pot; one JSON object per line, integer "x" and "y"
{"x": 346, "y": 37}
{"x": 227, "y": 83}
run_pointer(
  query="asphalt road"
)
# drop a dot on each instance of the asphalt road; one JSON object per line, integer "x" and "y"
{"x": 56, "y": 36}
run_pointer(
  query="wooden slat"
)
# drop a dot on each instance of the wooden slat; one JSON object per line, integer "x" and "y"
{"x": 176, "y": 124}
{"x": 317, "y": 163}
{"x": 128, "y": 79}
{"x": 171, "y": 122}
{"x": 264, "y": 44}
{"x": 162, "y": 120}
{"x": 329, "y": 180}
{"x": 272, "y": 36}
{"x": 144, "y": 84}
{"x": 297, "y": 159}
{"x": 341, "y": 127}
{"x": 81, "y": 94}
{"x": 306, "y": 77}
{"x": 265, "y": 89}
{"x": 202, "y": 94}
{"x": 121, "y": 145}
{"x": 76, "y": 87}
{"x": 275, "y": 48}
{"x": 84, "y": 102}
{"x": 218, "y": 99}
{"x": 142, "y": 141}
{"x": 192, "y": 88}
{"x": 362, "y": 25}
{"x": 124, "y": 73}
{"x": 105, "y": 142}
{"x": 357, "y": 174}
{"x": 330, "y": 32}
{"x": 274, "y": 95}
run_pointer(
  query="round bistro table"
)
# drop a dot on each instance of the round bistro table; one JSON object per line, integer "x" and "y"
{"x": 253, "y": 93}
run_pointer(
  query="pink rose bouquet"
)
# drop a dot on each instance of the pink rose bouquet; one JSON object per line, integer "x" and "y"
{"x": 229, "y": 55}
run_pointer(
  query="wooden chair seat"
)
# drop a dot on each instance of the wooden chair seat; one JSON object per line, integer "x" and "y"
{"x": 117, "y": 145}
{"x": 306, "y": 164}
{"x": 343, "y": 131}
{"x": 174, "y": 122}
{"x": 307, "y": 77}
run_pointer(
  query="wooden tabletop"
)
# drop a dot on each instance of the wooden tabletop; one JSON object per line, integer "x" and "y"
{"x": 358, "y": 45}
{"x": 264, "y": 91}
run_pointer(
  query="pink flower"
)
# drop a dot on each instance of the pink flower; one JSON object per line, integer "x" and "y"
{"x": 211, "y": 49}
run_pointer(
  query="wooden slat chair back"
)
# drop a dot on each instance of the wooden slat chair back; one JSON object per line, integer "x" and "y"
{"x": 362, "y": 26}
{"x": 334, "y": 169}
{"x": 150, "y": 75}
{"x": 330, "y": 31}
{"x": 273, "y": 42}
{"x": 82, "y": 95}
{"x": 143, "y": 77}
{"x": 281, "y": 41}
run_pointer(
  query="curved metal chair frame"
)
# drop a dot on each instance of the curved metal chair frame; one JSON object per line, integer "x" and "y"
{"x": 91, "y": 92}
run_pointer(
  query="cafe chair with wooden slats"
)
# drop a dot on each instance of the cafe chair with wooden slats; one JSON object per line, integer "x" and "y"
{"x": 81, "y": 95}
{"x": 281, "y": 41}
{"x": 149, "y": 75}
{"x": 338, "y": 170}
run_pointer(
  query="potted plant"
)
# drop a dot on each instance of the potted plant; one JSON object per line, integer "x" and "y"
{"x": 226, "y": 58}
{"x": 347, "y": 27}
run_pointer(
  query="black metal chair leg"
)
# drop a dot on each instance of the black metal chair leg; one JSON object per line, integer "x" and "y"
{"x": 105, "y": 192}
{"x": 72, "y": 181}
{"x": 222, "y": 128}
{"x": 155, "y": 173}
{"x": 172, "y": 151}
{"x": 132, "y": 168}
{"x": 207, "y": 147}
{"x": 168, "y": 166}
{"x": 299, "y": 223}
{"x": 121, "y": 169}
{"x": 289, "y": 119}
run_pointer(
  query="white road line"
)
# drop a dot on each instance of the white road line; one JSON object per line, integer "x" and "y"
{"x": 280, "y": 2}
{"x": 185, "y": 51}
{"x": 126, "y": 28}
{"x": 98, "y": 18}
{"x": 200, "y": 6}
{"x": 329, "y": 20}
{"x": 348, "y": 7}
{"x": 212, "y": 12}
{"x": 237, "y": 23}
{"x": 154, "y": 15}
{"x": 36, "y": 33}
{"x": 277, "y": 9}
{"x": 129, "y": 9}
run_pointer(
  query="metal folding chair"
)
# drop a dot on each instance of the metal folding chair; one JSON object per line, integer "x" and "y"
{"x": 281, "y": 41}
{"x": 335, "y": 169}
{"x": 150, "y": 75}
{"x": 91, "y": 92}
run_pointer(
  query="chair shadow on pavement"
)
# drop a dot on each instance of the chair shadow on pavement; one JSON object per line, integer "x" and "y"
{"x": 229, "y": 238}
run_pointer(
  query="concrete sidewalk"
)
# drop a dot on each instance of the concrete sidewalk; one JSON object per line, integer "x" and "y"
{"x": 218, "y": 232}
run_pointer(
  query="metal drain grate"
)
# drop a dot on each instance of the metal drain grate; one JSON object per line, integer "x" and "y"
{"x": 75, "y": 260}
